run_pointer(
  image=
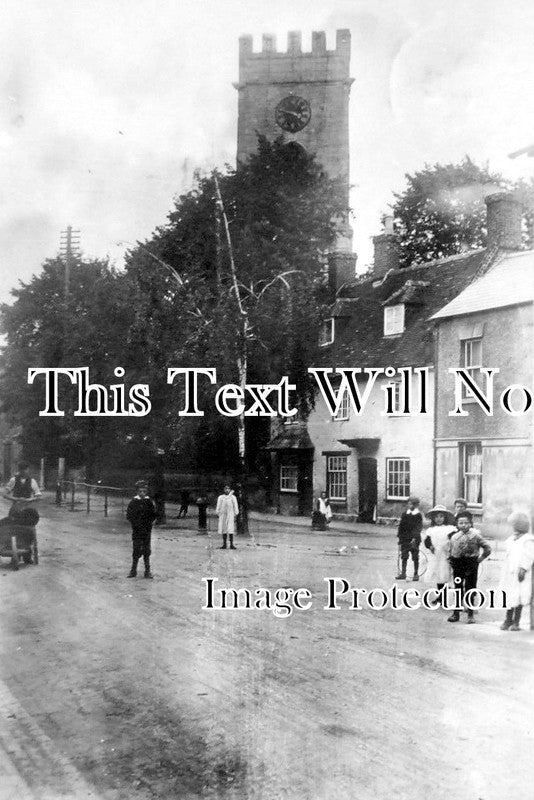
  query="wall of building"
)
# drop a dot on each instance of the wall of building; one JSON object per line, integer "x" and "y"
{"x": 506, "y": 441}
{"x": 506, "y": 344}
{"x": 507, "y": 480}
{"x": 397, "y": 437}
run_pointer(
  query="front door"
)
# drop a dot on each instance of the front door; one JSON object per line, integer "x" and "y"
{"x": 305, "y": 486}
{"x": 368, "y": 489}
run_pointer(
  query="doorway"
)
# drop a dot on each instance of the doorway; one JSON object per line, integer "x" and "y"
{"x": 367, "y": 489}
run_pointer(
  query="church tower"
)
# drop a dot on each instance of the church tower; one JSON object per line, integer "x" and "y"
{"x": 302, "y": 96}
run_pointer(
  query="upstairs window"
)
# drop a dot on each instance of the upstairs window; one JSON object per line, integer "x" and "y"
{"x": 326, "y": 334}
{"x": 393, "y": 319}
{"x": 344, "y": 408}
{"x": 471, "y": 361}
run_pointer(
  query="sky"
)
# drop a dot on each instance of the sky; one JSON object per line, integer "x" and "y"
{"x": 107, "y": 107}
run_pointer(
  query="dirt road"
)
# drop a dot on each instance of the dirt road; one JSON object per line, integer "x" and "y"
{"x": 115, "y": 688}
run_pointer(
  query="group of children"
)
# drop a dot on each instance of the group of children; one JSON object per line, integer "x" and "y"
{"x": 457, "y": 548}
{"x": 141, "y": 514}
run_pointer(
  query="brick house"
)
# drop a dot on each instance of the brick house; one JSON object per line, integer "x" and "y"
{"x": 487, "y": 457}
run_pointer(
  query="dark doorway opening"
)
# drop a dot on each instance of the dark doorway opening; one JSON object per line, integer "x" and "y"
{"x": 368, "y": 489}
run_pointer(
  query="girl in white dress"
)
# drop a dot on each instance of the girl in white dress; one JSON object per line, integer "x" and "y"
{"x": 516, "y": 577}
{"x": 436, "y": 539}
{"x": 227, "y": 510}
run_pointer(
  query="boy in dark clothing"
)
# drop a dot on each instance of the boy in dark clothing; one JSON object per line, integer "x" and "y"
{"x": 141, "y": 513}
{"x": 409, "y": 536}
{"x": 184, "y": 500}
{"x": 467, "y": 550}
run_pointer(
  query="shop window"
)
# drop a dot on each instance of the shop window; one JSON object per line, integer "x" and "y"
{"x": 471, "y": 472}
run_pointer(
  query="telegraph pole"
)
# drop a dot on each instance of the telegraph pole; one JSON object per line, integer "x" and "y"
{"x": 69, "y": 248}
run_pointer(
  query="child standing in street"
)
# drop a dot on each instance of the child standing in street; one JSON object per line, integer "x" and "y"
{"x": 141, "y": 513}
{"x": 516, "y": 578}
{"x": 465, "y": 556}
{"x": 409, "y": 536}
{"x": 227, "y": 510}
{"x": 437, "y": 540}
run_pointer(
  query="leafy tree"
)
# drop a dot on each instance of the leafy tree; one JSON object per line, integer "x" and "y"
{"x": 442, "y": 211}
{"x": 43, "y": 328}
{"x": 238, "y": 285}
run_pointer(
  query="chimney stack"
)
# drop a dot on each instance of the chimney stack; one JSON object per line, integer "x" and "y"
{"x": 386, "y": 246}
{"x": 341, "y": 269}
{"x": 504, "y": 219}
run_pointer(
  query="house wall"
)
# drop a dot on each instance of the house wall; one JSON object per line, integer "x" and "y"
{"x": 506, "y": 344}
{"x": 402, "y": 437}
{"x": 506, "y": 440}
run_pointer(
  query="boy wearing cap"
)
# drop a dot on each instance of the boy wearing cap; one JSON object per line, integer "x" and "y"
{"x": 141, "y": 513}
{"x": 409, "y": 536}
{"x": 468, "y": 550}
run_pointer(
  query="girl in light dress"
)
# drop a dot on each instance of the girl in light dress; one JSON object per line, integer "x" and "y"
{"x": 516, "y": 576}
{"x": 436, "y": 539}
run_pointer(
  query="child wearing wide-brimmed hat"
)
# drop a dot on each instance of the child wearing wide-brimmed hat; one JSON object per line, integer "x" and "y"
{"x": 516, "y": 577}
{"x": 437, "y": 540}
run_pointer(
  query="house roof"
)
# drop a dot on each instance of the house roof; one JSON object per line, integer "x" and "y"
{"x": 290, "y": 437}
{"x": 509, "y": 282}
{"x": 424, "y": 289}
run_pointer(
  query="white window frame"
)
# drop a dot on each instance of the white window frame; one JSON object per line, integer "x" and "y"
{"x": 289, "y": 475}
{"x": 327, "y": 333}
{"x": 336, "y": 478}
{"x": 394, "y": 320}
{"x": 344, "y": 409}
{"x": 471, "y": 474}
{"x": 397, "y": 486}
{"x": 471, "y": 362}
{"x": 397, "y": 411}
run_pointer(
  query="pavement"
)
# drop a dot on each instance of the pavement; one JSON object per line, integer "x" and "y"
{"x": 114, "y": 688}
{"x": 336, "y": 526}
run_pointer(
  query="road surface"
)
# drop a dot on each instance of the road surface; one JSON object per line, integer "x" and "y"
{"x": 114, "y": 688}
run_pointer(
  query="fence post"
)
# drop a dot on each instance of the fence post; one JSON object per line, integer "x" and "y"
{"x": 88, "y": 499}
{"x": 105, "y": 502}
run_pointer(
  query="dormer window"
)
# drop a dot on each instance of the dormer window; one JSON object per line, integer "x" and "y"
{"x": 326, "y": 334}
{"x": 394, "y": 320}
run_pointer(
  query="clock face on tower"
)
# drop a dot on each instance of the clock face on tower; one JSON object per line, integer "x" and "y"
{"x": 292, "y": 113}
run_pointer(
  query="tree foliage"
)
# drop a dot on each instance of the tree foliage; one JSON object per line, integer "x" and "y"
{"x": 43, "y": 328}
{"x": 281, "y": 209}
{"x": 179, "y": 303}
{"x": 442, "y": 210}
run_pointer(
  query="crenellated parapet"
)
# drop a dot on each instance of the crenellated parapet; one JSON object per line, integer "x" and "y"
{"x": 270, "y": 64}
